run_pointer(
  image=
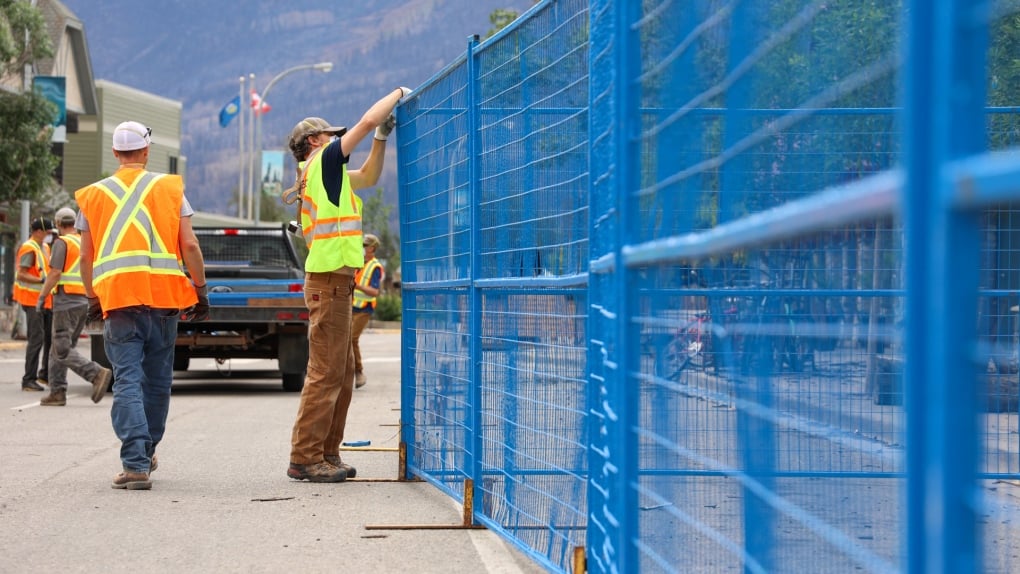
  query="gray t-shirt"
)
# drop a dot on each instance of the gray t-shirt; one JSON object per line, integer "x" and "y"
{"x": 63, "y": 301}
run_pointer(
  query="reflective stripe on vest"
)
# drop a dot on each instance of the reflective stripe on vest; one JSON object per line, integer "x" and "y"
{"x": 134, "y": 219}
{"x": 130, "y": 208}
{"x": 364, "y": 278}
{"x": 70, "y": 277}
{"x": 332, "y": 232}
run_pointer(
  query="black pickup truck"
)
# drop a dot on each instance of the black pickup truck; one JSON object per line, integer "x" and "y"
{"x": 256, "y": 300}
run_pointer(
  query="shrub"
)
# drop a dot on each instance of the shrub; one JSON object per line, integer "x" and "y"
{"x": 387, "y": 308}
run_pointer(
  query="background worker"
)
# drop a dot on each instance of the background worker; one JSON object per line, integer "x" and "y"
{"x": 367, "y": 282}
{"x": 135, "y": 230}
{"x": 33, "y": 259}
{"x": 331, "y": 222}
{"x": 69, "y": 309}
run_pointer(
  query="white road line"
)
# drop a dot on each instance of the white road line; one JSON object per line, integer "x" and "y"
{"x": 23, "y": 407}
{"x": 381, "y": 360}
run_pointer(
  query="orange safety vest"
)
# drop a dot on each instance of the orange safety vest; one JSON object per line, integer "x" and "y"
{"x": 27, "y": 294}
{"x": 70, "y": 276}
{"x": 364, "y": 277}
{"x": 134, "y": 218}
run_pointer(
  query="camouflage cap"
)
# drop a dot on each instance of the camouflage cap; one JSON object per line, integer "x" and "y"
{"x": 312, "y": 126}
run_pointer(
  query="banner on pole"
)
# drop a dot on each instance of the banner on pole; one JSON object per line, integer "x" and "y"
{"x": 54, "y": 89}
{"x": 272, "y": 172}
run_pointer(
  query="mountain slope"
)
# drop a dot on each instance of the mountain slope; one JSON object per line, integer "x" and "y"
{"x": 196, "y": 50}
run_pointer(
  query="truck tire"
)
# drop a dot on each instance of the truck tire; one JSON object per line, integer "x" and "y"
{"x": 292, "y": 354}
{"x": 293, "y": 382}
{"x": 99, "y": 356}
{"x": 99, "y": 351}
{"x": 182, "y": 359}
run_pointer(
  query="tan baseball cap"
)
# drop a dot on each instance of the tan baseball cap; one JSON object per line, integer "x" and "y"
{"x": 311, "y": 126}
{"x": 370, "y": 241}
{"x": 64, "y": 216}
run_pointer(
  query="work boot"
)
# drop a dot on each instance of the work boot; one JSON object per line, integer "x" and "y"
{"x": 131, "y": 480}
{"x": 42, "y": 381}
{"x": 101, "y": 383}
{"x": 56, "y": 398}
{"x": 359, "y": 380}
{"x": 31, "y": 386}
{"x": 318, "y": 472}
{"x": 335, "y": 460}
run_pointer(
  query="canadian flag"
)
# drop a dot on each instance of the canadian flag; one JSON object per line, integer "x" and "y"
{"x": 258, "y": 105}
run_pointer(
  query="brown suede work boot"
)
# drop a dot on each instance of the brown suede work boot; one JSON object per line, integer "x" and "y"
{"x": 338, "y": 462}
{"x": 129, "y": 480}
{"x": 318, "y": 472}
{"x": 56, "y": 398}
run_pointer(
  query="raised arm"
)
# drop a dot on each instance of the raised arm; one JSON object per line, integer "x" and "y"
{"x": 372, "y": 118}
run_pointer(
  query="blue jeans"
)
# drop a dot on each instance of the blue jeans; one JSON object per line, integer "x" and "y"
{"x": 139, "y": 342}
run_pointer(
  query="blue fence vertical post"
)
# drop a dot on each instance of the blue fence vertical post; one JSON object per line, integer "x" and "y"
{"x": 944, "y": 99}
{"x": 624, "y": 444}
{"x": 600, "y": 554}
{"x": 408, "y": 335}
{"x": 733, "y": 183}
{"x": 475, "y": 457}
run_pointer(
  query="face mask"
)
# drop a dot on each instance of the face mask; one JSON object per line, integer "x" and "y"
{"x": 364, "y": 252}
{"x": 48, "y": 239}
{"x": 334, "y": 138}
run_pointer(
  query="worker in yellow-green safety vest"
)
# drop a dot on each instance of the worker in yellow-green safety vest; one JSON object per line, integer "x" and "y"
{"x": 367, "y": 282}
{"x": 331, "y": 224}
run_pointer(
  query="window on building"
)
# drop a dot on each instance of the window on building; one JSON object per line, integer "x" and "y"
{"x": 173, "y": 164}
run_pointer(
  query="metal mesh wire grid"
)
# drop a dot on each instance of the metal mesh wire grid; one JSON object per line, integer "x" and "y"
{"x": 656, "y": 263}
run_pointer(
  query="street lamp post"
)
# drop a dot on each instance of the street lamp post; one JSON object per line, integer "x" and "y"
{"x": 322, "y": 67}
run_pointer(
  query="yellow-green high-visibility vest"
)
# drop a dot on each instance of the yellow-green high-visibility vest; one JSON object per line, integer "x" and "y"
{"x": 332, "y": 232}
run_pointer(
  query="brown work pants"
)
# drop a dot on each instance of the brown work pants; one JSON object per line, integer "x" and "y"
{"x": 358, "y": 324}
{"x": 329, "y": 382}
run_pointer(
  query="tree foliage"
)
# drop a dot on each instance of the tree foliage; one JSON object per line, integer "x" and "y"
{"x": 26, "y": 158}
{"x": 501, "y": 18}
{"x": 376, "y": 220}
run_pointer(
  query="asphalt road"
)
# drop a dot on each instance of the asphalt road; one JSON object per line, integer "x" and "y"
{"x": 221, "y": 501}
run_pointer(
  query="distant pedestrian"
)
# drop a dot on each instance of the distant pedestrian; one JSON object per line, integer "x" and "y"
{"x": 367, "y": 283}
{"x": 33, "y": 260}
{"x": 135, "y": 231}
{"x": 69, "y": 309}
{"x": 331, "y": 223}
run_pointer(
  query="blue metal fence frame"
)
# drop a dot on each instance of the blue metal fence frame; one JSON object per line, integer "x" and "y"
{"x": 944, "y": 55}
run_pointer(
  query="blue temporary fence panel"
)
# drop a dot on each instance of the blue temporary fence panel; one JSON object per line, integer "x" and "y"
{"x": 718, "y": 285}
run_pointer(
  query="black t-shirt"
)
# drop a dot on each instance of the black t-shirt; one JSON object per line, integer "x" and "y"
{"x": 333, "y": 161}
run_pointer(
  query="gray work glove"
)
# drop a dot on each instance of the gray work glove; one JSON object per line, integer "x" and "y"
{"x": 199, "y": 311}
{"x": 383, "y": 131}
{"x": 40, "y": 305}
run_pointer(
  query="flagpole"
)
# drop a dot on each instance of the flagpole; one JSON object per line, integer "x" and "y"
{"x": 240, "y": 155}
{"x": 322, "y": 67}
{"x": 251, "y": 151}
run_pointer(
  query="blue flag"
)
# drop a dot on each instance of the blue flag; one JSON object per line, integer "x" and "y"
{"x": 229, "y": 111}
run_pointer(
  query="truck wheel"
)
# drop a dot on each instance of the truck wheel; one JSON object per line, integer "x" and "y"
{"x": 99, "y": 355}
{"x": 99, "y": 351}
{"x": 182, "y": 359}
{"x": 293, "y": 382}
